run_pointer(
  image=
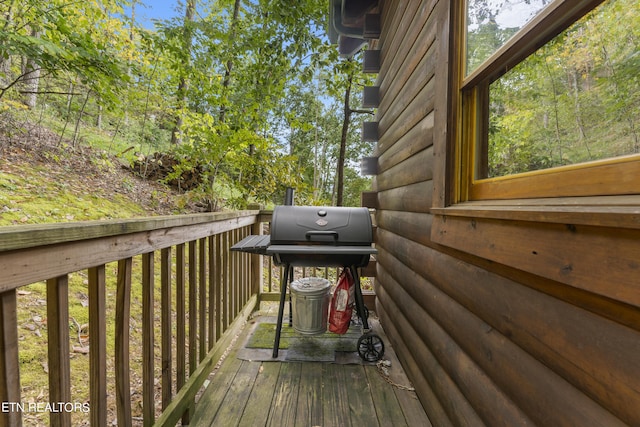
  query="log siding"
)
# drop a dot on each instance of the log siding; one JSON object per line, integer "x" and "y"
{"x": 503, "y": 313}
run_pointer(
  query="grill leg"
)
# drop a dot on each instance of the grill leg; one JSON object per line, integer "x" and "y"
{"x": 283, "y": 296}
{"x": 359, "y": 299}
{"x": 290, "y": 303}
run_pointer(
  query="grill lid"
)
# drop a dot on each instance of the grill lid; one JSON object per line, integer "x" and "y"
{"x": 321, "y": 225}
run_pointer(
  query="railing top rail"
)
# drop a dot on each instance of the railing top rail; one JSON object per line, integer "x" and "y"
{"x": 28, "y": 236}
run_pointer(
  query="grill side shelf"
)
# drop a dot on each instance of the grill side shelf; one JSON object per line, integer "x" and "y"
{"x": 253, "y": 244}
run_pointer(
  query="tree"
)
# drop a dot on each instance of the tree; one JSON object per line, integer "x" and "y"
{"x": 236, "y": 83}
{"x": 71, "y": 43}
{"x": 185, "y": 55}
{"x": 226, "y": 81}
{"x": 346, "y": 74}
{"x": 244, "y": 57}
{"x": 31, "y": 77}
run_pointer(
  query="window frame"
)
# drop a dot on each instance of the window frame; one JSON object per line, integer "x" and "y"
{"x": 601, "y": 177}
{"x": 562, "y": 195}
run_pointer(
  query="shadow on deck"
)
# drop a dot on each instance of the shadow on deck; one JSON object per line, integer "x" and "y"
{"x": 306, "y": 393}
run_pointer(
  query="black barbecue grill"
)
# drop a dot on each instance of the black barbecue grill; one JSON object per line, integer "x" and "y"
{"x": 319, "y": 236}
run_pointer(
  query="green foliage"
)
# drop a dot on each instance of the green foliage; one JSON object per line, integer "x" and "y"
{"x": 255, "y": 98}
{"x": 239, "y": 166}
{"x": 64, "y": 40}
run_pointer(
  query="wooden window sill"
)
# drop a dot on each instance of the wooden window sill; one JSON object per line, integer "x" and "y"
{"x": 605, "y": 211}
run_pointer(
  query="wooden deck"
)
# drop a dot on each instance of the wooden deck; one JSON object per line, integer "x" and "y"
{"x": 268, "y": 393}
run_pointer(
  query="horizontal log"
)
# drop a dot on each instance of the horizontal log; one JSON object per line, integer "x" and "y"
{"x": 22, "y": 267}
{"x": 409, "y": 45}
{"x": 419, "y": 107}
{"x": 410, "y": 198}
{"x": 559, "y": 333}
{"x": 599, "y": 260}
{"x": 552, "y": 331}
{"x": 416, "y": 168}
{"x": 492, "y": 405}
{"x": 415, "y": 226}
{"x": 418, "y": 69}
{"x": 417, "y": 139}
{"x": 396, "y": 20}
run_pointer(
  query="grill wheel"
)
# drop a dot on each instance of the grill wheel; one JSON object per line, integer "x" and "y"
{"x": 370, "y": 347}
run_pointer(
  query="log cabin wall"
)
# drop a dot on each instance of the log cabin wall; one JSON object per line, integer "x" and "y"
{"x": 490, "y": 333}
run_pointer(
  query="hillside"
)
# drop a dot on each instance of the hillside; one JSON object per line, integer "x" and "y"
{"x": 42, "y": 181}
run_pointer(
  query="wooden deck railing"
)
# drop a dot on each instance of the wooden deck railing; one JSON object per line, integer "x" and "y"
{"x": 206, "y": 292}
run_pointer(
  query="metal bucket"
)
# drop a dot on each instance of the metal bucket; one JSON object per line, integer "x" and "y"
{"x": 310, "y": 305}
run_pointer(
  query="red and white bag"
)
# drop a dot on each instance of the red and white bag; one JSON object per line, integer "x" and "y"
{"x": 342, "y": 304}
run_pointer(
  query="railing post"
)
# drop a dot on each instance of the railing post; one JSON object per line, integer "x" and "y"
{"x": 98, "y": 346}
{"x": 218, "y": 287}
{"x": 9, "y": 360}
{"x": 148, "y": 387}
{"x": 181, "y": 335}
{"x": 213, "y": 271}
{"x": 123, "y": 310}
{"x": 165, "y": 321}
{"x": 193, "y": 306}
{"x": 202, "y": 298}
{"x": 226, "y": 265}
{"x": 234, "y": 279}
{"x": 58, "y": 347}
{"x": 256, "y": 265}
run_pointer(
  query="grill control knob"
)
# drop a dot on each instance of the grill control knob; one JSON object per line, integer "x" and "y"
{"x": 322, "y": 212}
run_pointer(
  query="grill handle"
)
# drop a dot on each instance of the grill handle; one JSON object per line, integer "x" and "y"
{"x": 322, "y": 234}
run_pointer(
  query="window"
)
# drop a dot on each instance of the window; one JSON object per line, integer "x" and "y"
{"x": 550, "y": 99}
{"x": 491, "y": 23}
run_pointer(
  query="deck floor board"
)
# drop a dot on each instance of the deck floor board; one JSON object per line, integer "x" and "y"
{"x": 273, "y": 393}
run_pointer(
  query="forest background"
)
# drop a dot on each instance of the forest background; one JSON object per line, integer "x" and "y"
{"x": 230, "y": 101}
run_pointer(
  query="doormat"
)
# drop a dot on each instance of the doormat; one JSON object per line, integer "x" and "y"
{"x": 296, "y": 347}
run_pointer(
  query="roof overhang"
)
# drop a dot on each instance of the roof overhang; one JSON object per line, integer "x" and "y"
{"x": 351, "y": 25}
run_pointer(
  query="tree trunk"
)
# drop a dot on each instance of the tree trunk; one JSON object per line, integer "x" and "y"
{"x": 183, "y": 85}
{"x": 31, "y": 79}
{"x": 343, "y": 143}
{"x": 5, "y": 58}
{"x": 99, "y": 115}
{"x": 227, "y": 73}
{"x": 129, "y": 71}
